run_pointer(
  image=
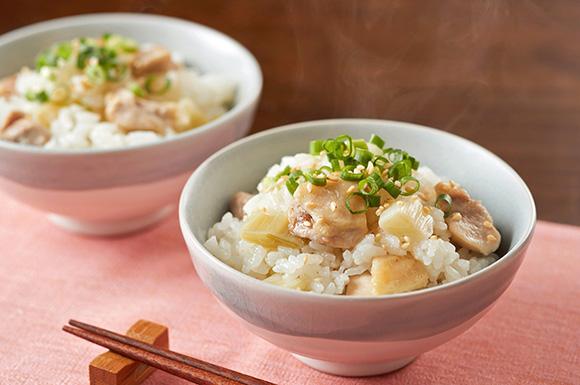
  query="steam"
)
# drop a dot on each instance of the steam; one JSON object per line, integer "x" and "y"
{"x": 382, "y": 59}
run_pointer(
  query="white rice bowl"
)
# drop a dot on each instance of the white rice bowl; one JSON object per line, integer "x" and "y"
{"x": 78, "y": 122}
{"x": 320, "y": 269}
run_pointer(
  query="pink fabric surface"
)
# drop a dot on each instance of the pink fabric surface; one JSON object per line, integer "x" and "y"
{"x": 47, "y": 276}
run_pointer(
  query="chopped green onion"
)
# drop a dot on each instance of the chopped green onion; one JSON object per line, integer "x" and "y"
{"x": 443, "y": 203}
{"x": 363, "y": 156}
{"x": 282, "y": 173}
{"x": 405, "y": 191}
{"x": 326, "y": 168}
{"x": 150, "y": 83}
{"x": 349, "y": 206}
{"x": 345, "y": 148}
{"x": 316, "y": 177}
{"x": 89, "y": 49}
{"x": 369, "y": 186}
{"x": 373, "y": 200}
{"x": 377, "y": 177}
{"x": 116, "y": 72}
{"x": 400, "y": 169}
{"x": 329, "y": 146}
{"x": 316, "y": 147}
{"x": 137, "y": 90}
{"x": 394, "y": 155}
{"x": 393, "y": 171}
{"x": 348, "y": 174}
{"x": 377, "y": 141}
{"x": 393, "y": 190}
{"x": 51, "y": 57}
{"x": 292, "y": 182}
{"x": 335, "y": 163}
{"x": 414, "y": 162}
{"x": 360, "y": 143}
{"x": 96, "y": 74}
{"x": 120, "y": 43}
{"x": 380, "y": 162}
{"x": 40, "y": 97}
{"x": 291, "y": 185}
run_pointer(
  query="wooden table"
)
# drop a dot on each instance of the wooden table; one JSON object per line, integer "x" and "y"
{"x": 505, "y": 73}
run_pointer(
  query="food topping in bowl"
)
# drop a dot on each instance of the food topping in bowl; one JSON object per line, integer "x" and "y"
{"x": 357, "y": 218}
{"x": 108, "y": 92}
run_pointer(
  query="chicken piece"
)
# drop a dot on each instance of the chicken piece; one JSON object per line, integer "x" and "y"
{"x": 25, "y": 131}
{"x": 8, "y": 86}
{"x": 393, "y": 274}
{"x": 469, "y": 222}
{"x": 319, "y": 213}
{"x": 132, "y": 114}
{"x": 360, "y": 285}
{"x": 152, "y": 60}
{"x": 238, "y": 202}
{"x": 373, "y": 220}
{"x": 10, "y": 118}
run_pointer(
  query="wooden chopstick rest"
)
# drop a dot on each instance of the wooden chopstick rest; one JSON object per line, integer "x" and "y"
{"x": 113, "y": 369}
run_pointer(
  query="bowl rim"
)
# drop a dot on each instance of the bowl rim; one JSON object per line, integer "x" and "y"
{"x": 108, "y": 17}
{"x": 191, "y": 239}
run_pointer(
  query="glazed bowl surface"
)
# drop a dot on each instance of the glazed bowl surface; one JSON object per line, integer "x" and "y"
{"x": 355, "y": 336}
{"x": 103, "y": 192}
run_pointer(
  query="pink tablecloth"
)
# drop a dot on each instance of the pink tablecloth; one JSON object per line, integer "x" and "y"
{"x": 47, "y": 276}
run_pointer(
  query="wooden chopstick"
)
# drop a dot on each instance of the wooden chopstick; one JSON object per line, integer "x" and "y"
{"x": 189, "y": 368}
{"x": 206, "y": 366}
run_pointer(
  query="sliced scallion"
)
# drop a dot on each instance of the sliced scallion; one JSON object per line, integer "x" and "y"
{"x": 327, "y": 169}
{"x": 381, "y": 162}
{"x": 377, "y": 141}
{"x": 363, "y": 156}
{"x": 400, "y": 169}
{"x": 152, "y": 85}
{"x": 40, "y": 97}
{"x": 369, "y": 186}
{"x": 363, "y": 200}
{"x": 316, "y": 177}
{"x": 137, "y": 90}
{"x": 96, "y": 74}
{"x": 443, "y": 203}
{"x": 360, "y": 143}
{"x": 291, "y": 185}
{"x": 316, "y": 147}
{"x": 335, "y": 163}
{"x": 415, "y": 185}
{"x": 348, "y": 174}
{"x": 345, "y": 147}
{"x": 373, "y": 200}
{"x": 393, "y": 190}
{"x": 282, "y": 173}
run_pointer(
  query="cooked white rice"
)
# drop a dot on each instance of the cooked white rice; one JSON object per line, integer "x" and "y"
{"x": 320, "y": 269}
{"x": 77, "y": 121}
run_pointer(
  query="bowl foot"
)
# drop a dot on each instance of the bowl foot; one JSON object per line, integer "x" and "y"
{"x": 107, "y": 228}
{"x": 354, "y": 370}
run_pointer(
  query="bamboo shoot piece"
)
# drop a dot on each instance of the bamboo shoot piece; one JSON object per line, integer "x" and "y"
{"x": 269, "y": 230}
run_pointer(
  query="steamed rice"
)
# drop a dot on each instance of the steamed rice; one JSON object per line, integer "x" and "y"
{"x": 317, "y": 268}
{"x": 68, "y": 104}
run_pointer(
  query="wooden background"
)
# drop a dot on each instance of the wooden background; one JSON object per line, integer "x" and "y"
{"x": 503, "y": 73}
